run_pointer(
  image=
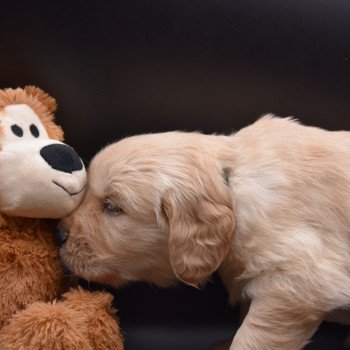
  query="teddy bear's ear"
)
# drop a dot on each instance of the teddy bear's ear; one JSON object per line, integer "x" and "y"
{"x": 42, "y": 96}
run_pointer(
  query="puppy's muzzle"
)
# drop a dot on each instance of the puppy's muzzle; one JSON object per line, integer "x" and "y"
{"x": 61, "y": 236}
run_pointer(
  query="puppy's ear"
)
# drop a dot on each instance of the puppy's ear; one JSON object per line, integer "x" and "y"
{"x": 48, "y": 101}
{"x": 201, "y": 224}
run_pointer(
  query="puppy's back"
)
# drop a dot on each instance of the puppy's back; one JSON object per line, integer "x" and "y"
{"x": 291, "y": 186}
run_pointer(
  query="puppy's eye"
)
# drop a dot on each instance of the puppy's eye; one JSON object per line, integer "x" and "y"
{"x": 112, "y": 208}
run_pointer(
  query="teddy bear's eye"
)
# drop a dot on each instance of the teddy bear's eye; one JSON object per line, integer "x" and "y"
{"x": 18, "y": 131}
{"x": 34, "y": 130}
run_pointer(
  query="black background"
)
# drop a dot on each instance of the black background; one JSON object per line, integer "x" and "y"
{"x": 123, "y": 67}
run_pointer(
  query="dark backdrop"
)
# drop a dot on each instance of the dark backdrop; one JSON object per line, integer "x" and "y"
{"x": 125, "y": 66}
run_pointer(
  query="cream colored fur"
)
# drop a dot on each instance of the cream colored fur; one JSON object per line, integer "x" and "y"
{"x": 278, "y": 231}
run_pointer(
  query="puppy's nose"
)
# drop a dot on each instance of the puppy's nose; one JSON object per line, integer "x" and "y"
{"x": 61, "y": 236}
{"x": 61, "y": 157}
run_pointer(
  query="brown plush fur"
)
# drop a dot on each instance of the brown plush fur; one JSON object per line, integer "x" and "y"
{"x": 46, "y": 326}
{"x": 28, "y": 264}
{"x": 101, "y": 328}
{"x": 82, "y": 321}
{"x": 31, "y": 278}
{"x": 39, "y": 101}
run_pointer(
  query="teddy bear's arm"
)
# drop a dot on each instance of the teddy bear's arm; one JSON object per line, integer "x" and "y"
{"x": 100, "y": 316}
{"x": 83, "y": 320}
{"x": 28, "y": 272}
{"x": 46, "y": 326}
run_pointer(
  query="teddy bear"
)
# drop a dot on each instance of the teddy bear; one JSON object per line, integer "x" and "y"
{"x": 41, "y": 180}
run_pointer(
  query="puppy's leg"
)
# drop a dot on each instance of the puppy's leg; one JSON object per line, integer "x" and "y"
{"x": 276, "y": 323}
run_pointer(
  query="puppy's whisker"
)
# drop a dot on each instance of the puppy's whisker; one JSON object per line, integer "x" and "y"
{"x": 152, "y": 286}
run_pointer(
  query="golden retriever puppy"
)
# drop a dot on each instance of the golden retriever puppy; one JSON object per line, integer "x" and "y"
{"x": 268, "y": 207}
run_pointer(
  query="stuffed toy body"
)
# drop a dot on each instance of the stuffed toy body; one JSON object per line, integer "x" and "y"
{"x": 42, "y": 179}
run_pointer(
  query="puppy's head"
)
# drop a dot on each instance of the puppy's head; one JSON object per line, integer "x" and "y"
{"x": 157, "y": 208}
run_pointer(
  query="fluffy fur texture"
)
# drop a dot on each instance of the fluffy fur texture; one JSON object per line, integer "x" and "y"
{"x": 68, "y": 325}
{"x": 278, "y": 231}
{"x": 39, "y": 101}
{"x": 31, "y": 277}
{"x": 29, "y": 266}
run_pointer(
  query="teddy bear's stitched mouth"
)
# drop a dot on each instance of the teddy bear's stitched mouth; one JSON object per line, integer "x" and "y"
{"x": 64, "y": 189}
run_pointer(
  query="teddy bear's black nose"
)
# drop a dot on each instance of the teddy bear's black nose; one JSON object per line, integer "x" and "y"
{"x": 61, "y": 157}
{"x": 61, "y": 236}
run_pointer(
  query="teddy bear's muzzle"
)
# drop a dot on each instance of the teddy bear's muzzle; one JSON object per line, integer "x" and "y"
{"x": 61, "y": 157}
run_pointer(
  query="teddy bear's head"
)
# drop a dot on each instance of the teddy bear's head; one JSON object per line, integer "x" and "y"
{"x": 40, "y": 177}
